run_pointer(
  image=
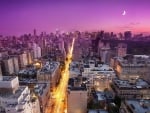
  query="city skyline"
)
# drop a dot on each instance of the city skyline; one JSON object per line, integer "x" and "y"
{"x": 51, "y": 61}
{"x": 19, "y": 17}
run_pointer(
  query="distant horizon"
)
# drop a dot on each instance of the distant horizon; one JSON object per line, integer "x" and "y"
{"x": 62, "y": 31}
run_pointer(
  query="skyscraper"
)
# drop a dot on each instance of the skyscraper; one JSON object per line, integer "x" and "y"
{"x": 34, "y": 32}
{"x": 127, "y": 35}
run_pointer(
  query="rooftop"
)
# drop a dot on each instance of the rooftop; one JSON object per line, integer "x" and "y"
{"x": 49, "y": 67}
{"x": 139, "y": 83}
{"x": 8, "y": 78}
{"x": 134, "y": 60}
{"x": 29, "y": 71}
{"x": 142, "y": 56}
{"x": 86, "y": 66}
{"x": 139, "y": 106}
{"x": 10, "y": 95}
{"x": 39, "y": 88}
{"x": 101, "y": 96}
{"x": 103, "y": 68}
{"x": 74, "y": 69}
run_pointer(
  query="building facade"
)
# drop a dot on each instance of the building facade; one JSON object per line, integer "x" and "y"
{"x": 132, "y": 67}
{"x": 49, "y": 73}
{"x": 15, "y": 98}
{"x": 77, "y": 101}
{"x": 138, "y": 89}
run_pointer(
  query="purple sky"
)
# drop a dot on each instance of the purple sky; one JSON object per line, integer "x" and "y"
{"x": 22, "y": 16}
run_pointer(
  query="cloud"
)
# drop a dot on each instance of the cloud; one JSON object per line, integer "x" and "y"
{"x": 124, "y": 27}
{"x": 134, "y": 23}
{"x": 129, "y": 26}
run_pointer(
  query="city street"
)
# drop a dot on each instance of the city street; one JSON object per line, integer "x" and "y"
{"x": 59, "y": 100}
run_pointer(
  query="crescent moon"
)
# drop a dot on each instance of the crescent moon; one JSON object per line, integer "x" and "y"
{"x": 124, "y": 13}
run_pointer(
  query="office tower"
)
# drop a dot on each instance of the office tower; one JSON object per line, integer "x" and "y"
{"x": 7, "y": 66}
{"x": 36, "y": 50}
{"x": 104, "y": 52}
{"x": 127, "y": 35}
{"x": 30, "y": 55}
{"x": 42, "y": 91}
{"x": 23, "y": 61}
{"x": 15, "y": 64}
{"x": 34, "y": 32}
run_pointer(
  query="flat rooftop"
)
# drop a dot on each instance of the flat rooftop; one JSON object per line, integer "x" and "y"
{"x": 10, "y": 95}
{"x": 74, "y": 70}
{"x": 100, "y": 68}
{"x": 29, "y": 71}
{"x": 100, "y": 95}
{"x": 139, "y": 84}
{"x": 135, "y": 60}
{"x": 39, "y": 88}
{"x": 8, "y": 78}
{"x": 139, "y": 106}
{"x": 103, "y": 68}
{"x": 49, "y": 67}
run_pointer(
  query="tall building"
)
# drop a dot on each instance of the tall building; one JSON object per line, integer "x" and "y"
{"x": 100, "y": 45}
{"x": 30, "y": 55}
{"x": 34, "y": 32}
{"x": 7, "y": 66}
{"x": 16, "y": 64}
{"x": 49, "y": 73}
{"x": 127, "y": 35}
{"x": 42, "y": 91}
{"x": 36, "y": 50}
{"x": 77, "y": 100}
{"x": 23, "y": 60}
{"x": 10, "y": 65}
{"x": 61, "y": 45}
{"x": 39, "y": 54}
{"x": 105, "y": 52}
{"x": 120, "y": 36}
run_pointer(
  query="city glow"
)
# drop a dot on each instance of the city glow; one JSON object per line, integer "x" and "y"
{"x": 60, "y": 92}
